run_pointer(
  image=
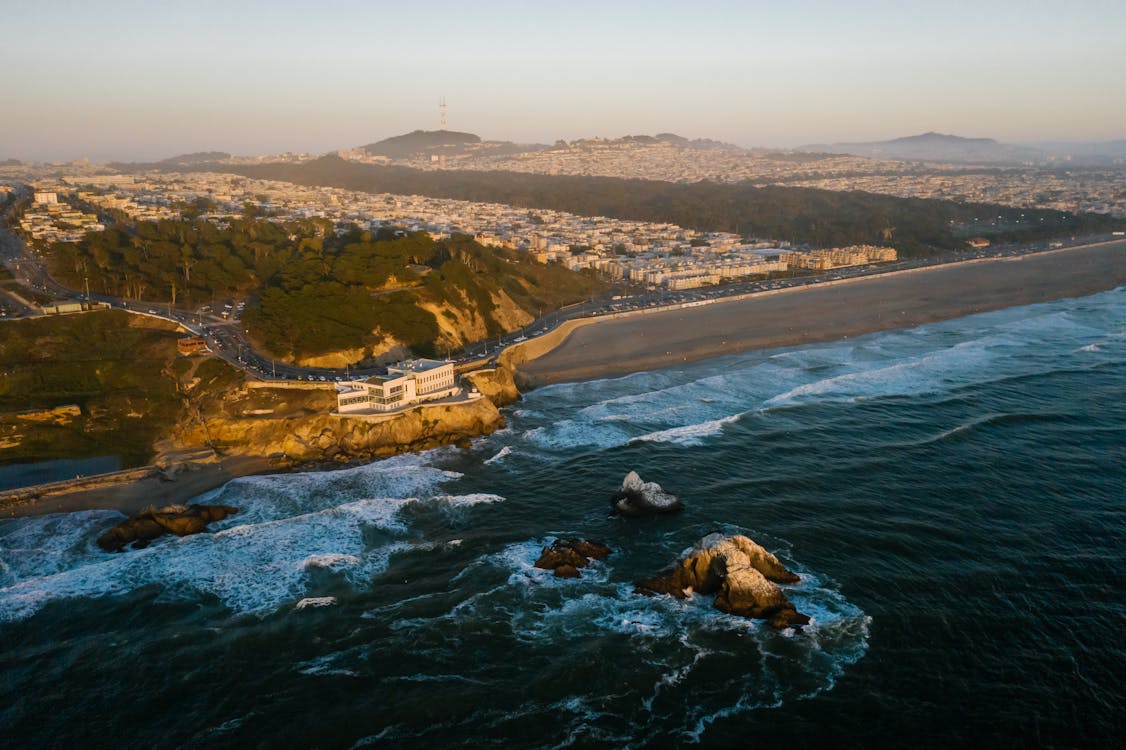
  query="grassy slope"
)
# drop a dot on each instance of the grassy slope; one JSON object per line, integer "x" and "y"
{"x": 120, "y": 370}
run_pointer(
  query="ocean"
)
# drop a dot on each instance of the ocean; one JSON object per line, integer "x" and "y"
{"x": 952, "y": 497}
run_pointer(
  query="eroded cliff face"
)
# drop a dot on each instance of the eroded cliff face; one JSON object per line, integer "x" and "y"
{"x": 497, "y": 385}
{"x": 297, "y": 425}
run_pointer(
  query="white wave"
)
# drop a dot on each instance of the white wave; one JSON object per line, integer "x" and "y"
{"x": 505, "y": 451}
{"x": 929, "y": 373}
{"x": 269, "y": 497}
{"x": 465, "y": 501}
{"x": 315, "y": 602}
{"x": 332, "y": 561}
{"x": 569, "y": 434}
{"x": 43, "y": 545}
{"x": 251, "y": 568}
{"x": 692, "y": 434}
{"x": 254, "y": 564}
{"x": 1090, "y": 348}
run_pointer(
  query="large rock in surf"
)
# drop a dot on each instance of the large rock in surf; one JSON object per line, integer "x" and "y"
{"x": 741, "y": 574}
{"x": 566, "y": 556}
{"x": 151, "y": 523}
{"x": 638, "y": 498}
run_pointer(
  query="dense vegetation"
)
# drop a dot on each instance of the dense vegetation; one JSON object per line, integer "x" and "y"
{"x": 317, "y": 291}
{"x": 120, "y": 370}
{"x": 802, "y": 215}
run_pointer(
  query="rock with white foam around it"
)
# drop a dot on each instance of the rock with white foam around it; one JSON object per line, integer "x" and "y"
{"x": 638, "y": 498}
{"x": 742, "y": 575}
{"x": 151, "y": 523}
{"x": 566, "y": 556}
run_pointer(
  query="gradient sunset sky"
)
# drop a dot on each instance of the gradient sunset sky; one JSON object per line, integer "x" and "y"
{"x": 125, "y": 79}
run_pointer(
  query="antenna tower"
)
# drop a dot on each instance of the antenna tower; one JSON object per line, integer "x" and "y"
{"x": 442, "y": 111}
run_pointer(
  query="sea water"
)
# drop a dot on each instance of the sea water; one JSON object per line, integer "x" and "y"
{"x": 952, "y": 497}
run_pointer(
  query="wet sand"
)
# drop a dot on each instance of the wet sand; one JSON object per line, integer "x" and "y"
{"x": 825, "y": 312}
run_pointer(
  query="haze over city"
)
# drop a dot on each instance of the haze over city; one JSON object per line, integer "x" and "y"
{"x": 131, "y": 80}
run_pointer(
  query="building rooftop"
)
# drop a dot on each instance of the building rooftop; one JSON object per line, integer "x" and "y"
{"x": 417, "y": 365}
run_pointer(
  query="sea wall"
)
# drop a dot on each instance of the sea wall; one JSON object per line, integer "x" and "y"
{"x": 26, "y": 495}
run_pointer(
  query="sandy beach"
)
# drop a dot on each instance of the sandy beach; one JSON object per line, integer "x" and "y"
{"x": 824, "y": 312}
{"x": 652, "y": 340}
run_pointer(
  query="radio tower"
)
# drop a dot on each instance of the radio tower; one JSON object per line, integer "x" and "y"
{"x": 442, "y": 111}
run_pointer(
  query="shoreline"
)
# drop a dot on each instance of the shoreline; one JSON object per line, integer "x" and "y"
{"x": 827, "y": 311}
{"x": 175, "y": 486}
{"x": 664, "y": 337}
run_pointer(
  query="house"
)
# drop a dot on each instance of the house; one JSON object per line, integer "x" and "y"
{"x": 402, "y": 385}
{"x": 190, "y": 345}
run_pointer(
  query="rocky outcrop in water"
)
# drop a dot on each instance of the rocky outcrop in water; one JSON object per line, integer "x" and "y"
{"x": 566, "y": 556}
{"x": 496, "y": 385}
{"x": 742, "y": 575}
{"x": 638, "y": 498}
{"x": 156, "y": 522}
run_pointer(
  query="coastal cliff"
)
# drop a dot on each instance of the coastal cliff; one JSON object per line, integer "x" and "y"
{"x": 297, "y": 425}
{"x": 496, "y": 384}
{"x": 188, "y": 424}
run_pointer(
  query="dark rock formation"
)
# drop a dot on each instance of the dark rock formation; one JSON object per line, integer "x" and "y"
{"x": 741, "y": 574}
{"x": 155, "y": 522}
{"x": 637, "y": 498}
{"x": 566, "y": 556}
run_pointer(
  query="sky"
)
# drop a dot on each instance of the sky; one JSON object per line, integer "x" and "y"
{"x": 131, "y": 80}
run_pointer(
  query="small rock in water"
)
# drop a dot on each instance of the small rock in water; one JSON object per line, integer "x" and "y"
{"x": 566, "y": 556}
{"x": 316, "y": 601}
{"x": 637, "y": 498}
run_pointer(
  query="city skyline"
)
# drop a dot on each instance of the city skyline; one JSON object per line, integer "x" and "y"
{"x": 129, "y": 81}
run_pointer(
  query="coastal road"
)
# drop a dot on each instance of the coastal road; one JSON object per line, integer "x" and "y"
{"x": 825, "y": 312}
{"x": 230, "y": 341}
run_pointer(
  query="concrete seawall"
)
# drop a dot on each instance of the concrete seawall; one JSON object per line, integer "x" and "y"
{"x": 27, "y": 495}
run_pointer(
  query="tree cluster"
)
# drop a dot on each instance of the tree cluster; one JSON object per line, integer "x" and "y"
{"x": 315, "y": 290}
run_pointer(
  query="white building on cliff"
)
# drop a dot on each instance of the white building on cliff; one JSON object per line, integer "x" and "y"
{"x": 404, "y": 384}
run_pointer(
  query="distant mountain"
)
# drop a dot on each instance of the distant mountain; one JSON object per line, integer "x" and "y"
{"x": 1084, "y": 153}
{"x": 194, "y": 159}
{"x": 671, "y": 138}
{"x": 421, "y": 141}
{"x": 934, "y": 147}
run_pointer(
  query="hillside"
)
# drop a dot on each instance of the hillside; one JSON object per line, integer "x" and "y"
{"x": 325, "y": 299}
{"x": 409, "y": 144}
{"x": 110, "y": 383}
{"x": 103, "y": 383}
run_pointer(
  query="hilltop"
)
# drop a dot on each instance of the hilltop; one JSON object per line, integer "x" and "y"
{"x": 933, "y": 147}
{"x": 418, "y": 141}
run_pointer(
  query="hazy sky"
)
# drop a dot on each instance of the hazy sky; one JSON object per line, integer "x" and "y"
{"x": 138, "y": 79}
